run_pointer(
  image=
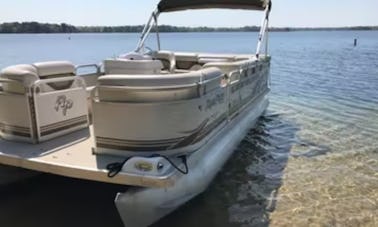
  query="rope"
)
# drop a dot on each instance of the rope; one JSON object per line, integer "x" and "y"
{"x": 183, "y": 159}
{"x": 115, "y": 168}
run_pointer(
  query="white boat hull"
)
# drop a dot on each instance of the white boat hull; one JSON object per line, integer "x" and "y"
{"x": 144, "y": 206}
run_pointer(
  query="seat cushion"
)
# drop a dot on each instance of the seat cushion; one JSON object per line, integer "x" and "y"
{"x": 25, "y": 74}
{"x": 185, "y": 56}
{"x": 228, "y": 57}
{"x": 125, "y": 66}
{"x": 55, "y": 68}
{"x": 180, "y": 79}
{"x": 186, "y": 60}
{"x": 228, "y": 67}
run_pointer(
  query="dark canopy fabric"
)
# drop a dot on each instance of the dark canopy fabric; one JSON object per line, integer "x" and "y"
{"x": 176, "y": 5}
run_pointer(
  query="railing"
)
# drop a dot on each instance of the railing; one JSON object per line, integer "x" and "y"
{"x": 95, "y": 66}
{"x": 90, "y": 77}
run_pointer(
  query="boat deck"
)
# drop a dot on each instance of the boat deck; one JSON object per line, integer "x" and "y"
{"x": 72, "y": 156}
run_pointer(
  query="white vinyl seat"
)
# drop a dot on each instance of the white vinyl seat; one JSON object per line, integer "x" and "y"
{"x": 127, "y": 66}
{"x": 188, "y": 61}
{"x": 228, "y": 67}
{"x": 147, "y": 88}
{"x": 160, "y": 80}
{"x": 150, "y": 109}
{"x": 53, "y": 69}
{"x": 25, "y": 75}
{"x": 186, "y": 56}
{"x": 225, "y": 57}
{"x": 41, "y": 101}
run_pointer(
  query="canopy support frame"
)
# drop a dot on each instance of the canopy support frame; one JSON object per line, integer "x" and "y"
{"x": 157, "y": 31}
{"x": 264, "y": 31}
{"x": 152, "y": 21}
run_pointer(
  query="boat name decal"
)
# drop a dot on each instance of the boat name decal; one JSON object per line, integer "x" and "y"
{"x": 64, "y": 104}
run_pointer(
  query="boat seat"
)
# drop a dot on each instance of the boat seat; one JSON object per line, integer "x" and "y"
{"x": 142, "y": 88}
{"x": 228, "y": 67}
{"x": 159, "y": 79}
{"x": 43, "y": 100}
{"x": 126, "y": 66}
{"x": 187, "y": 61}
{"x": 225, "y": 57}
{"x": 27, "y": 75}
{"x": 54, "y": 69}
{"x": 209, "y": 60}
{"x": 185, "y": 56}
{"x": 150, "y": 113}
{"x": 240, "y": 57}
{"x": 196, "y": 67}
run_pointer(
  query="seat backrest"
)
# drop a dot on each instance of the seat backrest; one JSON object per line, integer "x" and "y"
{"x": 140, "y": 88}
{"x": 160, "y": 80}
{"x": 189, "y": 61}
{"x": 228, "y": 67}
{"x": 54, "y": 69}
{"x": 186, "y": 56}
{"x": 125, "y": 66}
{"x": 27, "y": 75}
{"x": 22, "y": 75}
{"x": 55, "y": 107}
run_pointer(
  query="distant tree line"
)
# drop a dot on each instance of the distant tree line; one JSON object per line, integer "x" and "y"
{"x": 35, "y": 27}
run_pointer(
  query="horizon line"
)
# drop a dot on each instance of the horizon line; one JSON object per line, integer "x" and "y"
{"x": 211, "y": 27}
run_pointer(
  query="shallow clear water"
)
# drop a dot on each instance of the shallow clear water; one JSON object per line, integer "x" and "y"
{"x": 312, "y": 159}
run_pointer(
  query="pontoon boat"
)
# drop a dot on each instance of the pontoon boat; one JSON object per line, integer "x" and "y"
{"x": 163, "y": 122}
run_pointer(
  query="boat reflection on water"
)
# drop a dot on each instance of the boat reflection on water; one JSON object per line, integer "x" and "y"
{"x": 244, "y": 193}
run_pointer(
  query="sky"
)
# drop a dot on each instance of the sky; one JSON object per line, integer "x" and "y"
{"x": 285, "y": 13}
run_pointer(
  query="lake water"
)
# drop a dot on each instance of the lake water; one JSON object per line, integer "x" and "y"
{"x": 312, "y": 159}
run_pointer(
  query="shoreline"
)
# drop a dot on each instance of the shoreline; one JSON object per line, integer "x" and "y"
{"x": 46, "y": 28}
{"x": 78, "y": 33}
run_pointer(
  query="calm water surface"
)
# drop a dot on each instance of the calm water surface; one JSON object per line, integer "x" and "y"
{"x": 312, "y": 159}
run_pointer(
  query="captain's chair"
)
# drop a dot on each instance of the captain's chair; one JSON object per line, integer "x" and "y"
{"x": 41, "y": 101}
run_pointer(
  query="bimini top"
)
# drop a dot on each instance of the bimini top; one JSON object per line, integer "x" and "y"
{"x": 177, "y": 5}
